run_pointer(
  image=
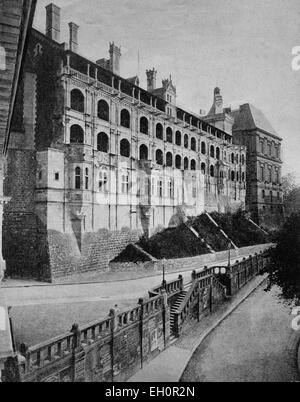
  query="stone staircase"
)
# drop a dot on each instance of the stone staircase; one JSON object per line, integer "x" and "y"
{"x": 174, "y": 307}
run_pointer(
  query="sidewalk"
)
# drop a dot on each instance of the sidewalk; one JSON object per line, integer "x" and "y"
{"x": 171, "y": 363}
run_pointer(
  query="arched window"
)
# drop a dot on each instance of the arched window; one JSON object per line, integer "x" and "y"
{"x": 125, "y": 118}
{"x": 232, "y": 175}
{"x": 159, "y": 131}
{"x": 186, "y": 163}
{"x": 143, "y": 152}
{"x": 169, "y": 135}
{"x": 103, "y": 110}
{"x": 86, "y": 178}
{"x": 243, "y": 176}
{"x": 218, "y": 153}
{"x": 125, "y": 148}
{"x": 232, "y": 158}
{"x": 212, "y": 171}
{"x": 203, "y": 168}
{"x": 77, "y": 178}
{"x": 76, "y": 134}
{"x": 178, "y": 138}
{"x": 77, "y": 100}
{"x": 243, "y": 159}
{"x": 186, "y": 141}
{"x": 193, "y": 144}
{"x": 237, "y": 176}
{"x": 159, "y": 157}
{"x": 144, "y": 125}
{"x": 178, "y": 162}
{"x": 102, "y": 142}
{"x": 169, "y": 159}
{"x": 203, "y": 148}
{"x": 193, "y": 164}
{"x": 212, "y": 151}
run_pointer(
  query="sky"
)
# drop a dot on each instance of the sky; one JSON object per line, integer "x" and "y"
{"x": 243, "y": 46}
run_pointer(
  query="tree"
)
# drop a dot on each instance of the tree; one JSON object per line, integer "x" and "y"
{"x": 284, "y": 269}
{"x": 288, "y": 183}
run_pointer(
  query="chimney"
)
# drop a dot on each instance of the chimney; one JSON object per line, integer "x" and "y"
{"x": 53, "y": 22}
{"x": 218, "y": 101}
{"x": 151, "y": 79}
{"x": 73, "y": 43}
{"x": 115, "y": 58}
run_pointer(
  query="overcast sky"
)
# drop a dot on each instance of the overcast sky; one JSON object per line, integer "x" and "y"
{"x": 243, "y": 46}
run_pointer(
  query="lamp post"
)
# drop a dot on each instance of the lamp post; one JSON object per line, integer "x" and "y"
{"x": 229, "y": 257}
{"x": 164, "y": 278}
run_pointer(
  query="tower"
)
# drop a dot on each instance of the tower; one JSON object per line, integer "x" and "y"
{"x": 115, "y": 58}
{"x": 151, "y": 79}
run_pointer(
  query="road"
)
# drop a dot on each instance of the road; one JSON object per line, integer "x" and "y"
{"x": 254, "y": 344}
{"x": 92, "y": 292}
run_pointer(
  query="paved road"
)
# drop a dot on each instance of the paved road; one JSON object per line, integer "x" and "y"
{"x": 255, "y": 343}
{"x": 91, "y": 292}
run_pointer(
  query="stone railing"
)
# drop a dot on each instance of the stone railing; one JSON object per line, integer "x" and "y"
{"x": 172, "y": 287}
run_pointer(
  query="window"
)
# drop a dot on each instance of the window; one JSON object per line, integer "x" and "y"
{"x": 262, "y": 173}
{"x": 143, "y": 152}
{"x": 243, "y": 159}
{"x": 186, "y": 163}
{"x": 160, "y": 188}
{"x": 125, "y": 148}
{"x": 86, "y": 178}
{"x": 2, "y": 58}
{"x": 159, "y": 157}
{"x": 169, "y": 159}
{"x": 76, "y": 134}
{"x": 169, "y": 135}
{"x": 40, "y": 175}
{"x": 218, "y": 153}
{"x": 144, "y": 125}
{"x": 194, "y": 189}
{"x": 263, "y": 194}
{"x": 243, "y": 176}
{"x": 56, "y": 176}
{"x": 270, "y": 149}
{"x": 278, "y": 196}
{"x": 78, "y": 178}
{"x": 178, "y": 162}
{"x": 203, "y": 148}
{"x": 277, "y": 176}
{"x": 125, "y": 118}
{"x": 193, "y": 144}
{"x": 237, "y": 176}
{"x": 159, "y": 131}
{"x": 77, "y": 100}
{"x": 270, "y": 175}
{"x": 203, "y": 168}
{"x": 147, "y": 185}
{"x": 178, "y": 138}
{"x": 271, "y": 196}
{"x": 232, "y": 175}
{"x": 103, "y": 110}
{"x": 186, "y": 141}
{"x": 212, "y": 151}
{"x": 262, "y": 147}
{"x": 212, "y": 171}
{"x": 103, "y": 181}
{"x": 125, "y": 183}
{"x": 170, "y": 189}
{"x": 193, "y": 164}
{"x": 232, "y": 158}
{"x": 102, "y": 142}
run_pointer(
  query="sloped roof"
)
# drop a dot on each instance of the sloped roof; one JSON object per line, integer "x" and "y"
{"x": 248, "y": 117}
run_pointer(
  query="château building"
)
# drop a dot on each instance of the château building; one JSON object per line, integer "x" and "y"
{"x": 250, "y": 128}
{"x": 95, "y": 161}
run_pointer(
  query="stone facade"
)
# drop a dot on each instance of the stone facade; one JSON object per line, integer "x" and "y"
{"x": 251, "y": 129}
{"x": 110, "y": 161}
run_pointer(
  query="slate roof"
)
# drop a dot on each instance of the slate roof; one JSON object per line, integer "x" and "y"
{"x": 248, "y": 117}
